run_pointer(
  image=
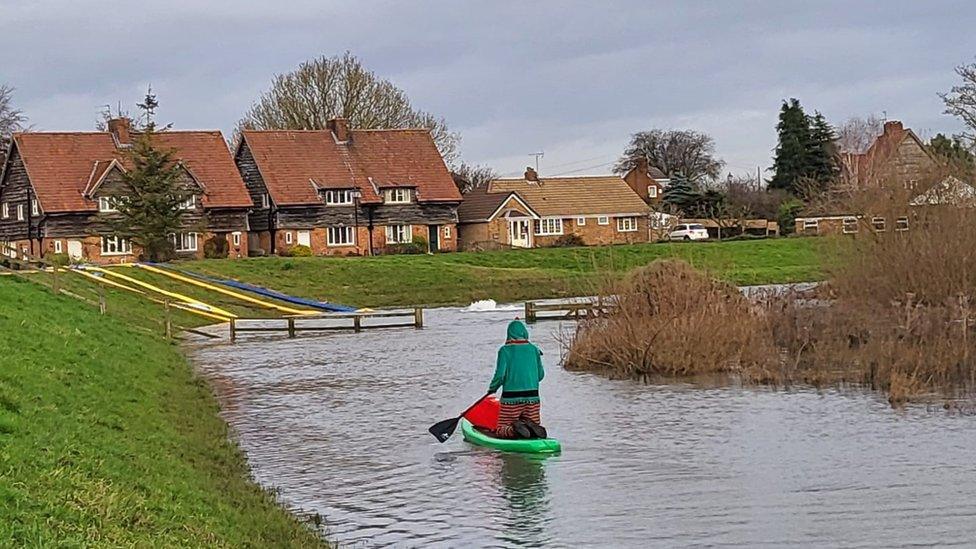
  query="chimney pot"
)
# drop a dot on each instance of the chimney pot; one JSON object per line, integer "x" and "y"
{"x": 893, "y": 125}
{"x": 119, "y": 127}
{"x": 339, "y": 128}
{"x": 530, "y": 174}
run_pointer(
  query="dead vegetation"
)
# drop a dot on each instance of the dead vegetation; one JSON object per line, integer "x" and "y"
{"x": 896, "y": 314}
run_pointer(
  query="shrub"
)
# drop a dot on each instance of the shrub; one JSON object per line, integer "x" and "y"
{"x": 669, "y": 319}
{"x": 788, "y": 211}
{"x": 61, "y": 260}
{"x": 569, "y": 240}
{"x": 216, "y": 247}
{"x": 300, "y": 250}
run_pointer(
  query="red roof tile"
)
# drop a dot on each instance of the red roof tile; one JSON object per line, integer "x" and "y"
{"x": 293, "y": 163}
{"x": 62, "y": 165}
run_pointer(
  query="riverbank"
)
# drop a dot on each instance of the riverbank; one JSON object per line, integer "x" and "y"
{"x": 108, "y": 438}
{"x": 512, "y": 275}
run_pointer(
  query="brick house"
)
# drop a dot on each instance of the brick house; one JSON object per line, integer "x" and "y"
{"x": 535, "y": 212}
{"x": 897, "y": 157}
{"x": 648, "y": 182}
{"x": 57, "y": 189}
{"x": 343, "y": 191}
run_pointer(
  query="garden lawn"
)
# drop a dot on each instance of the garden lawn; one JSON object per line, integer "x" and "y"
{"x": 511, "y": 275}
{"x": 107, "y": 438}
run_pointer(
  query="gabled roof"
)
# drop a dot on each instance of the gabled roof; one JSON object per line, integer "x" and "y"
{"x": 480, "y": 206}
{"x": 885, "y": 145}
{"x": 63, "y": 166}
{"x": 562, "y": 196}
{"x": 295, "y": 163}
{"x": 949, "y": 191}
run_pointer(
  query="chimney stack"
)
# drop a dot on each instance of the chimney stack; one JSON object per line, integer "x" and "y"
{"x": 893, "y": 126}
{"x": 339, "y": 128}
{"x": 119, "y": 127}
{"x": 640, "y": 163}
{"x": 531, "y": 175}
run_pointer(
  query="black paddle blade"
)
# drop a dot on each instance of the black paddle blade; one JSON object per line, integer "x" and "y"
{"x": 442, "y": 430}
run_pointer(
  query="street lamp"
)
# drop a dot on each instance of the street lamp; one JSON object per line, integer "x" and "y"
{"x": 356, "y": 196}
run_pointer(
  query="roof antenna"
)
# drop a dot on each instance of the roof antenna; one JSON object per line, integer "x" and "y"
{"x": 537, "y": 156}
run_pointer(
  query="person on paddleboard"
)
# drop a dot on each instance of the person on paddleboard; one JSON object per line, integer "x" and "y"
{"x": 518, "y": 372}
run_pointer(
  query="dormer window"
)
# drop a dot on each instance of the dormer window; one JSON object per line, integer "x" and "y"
{"x": 188, "y": 203}
{"x": 108, "y": 204}
{"x": 397, "y": 196}
{"x": 342, "y": 197}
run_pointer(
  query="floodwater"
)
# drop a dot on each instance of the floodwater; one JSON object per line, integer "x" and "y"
{"x": 337, "y": 425}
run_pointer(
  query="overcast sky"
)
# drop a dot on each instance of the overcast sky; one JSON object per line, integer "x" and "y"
{"x": 572, "y": 79}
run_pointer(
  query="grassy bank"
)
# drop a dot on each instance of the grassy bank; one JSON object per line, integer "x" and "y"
{"x": 513, "y": 275}
{"x": 107, "y": 438}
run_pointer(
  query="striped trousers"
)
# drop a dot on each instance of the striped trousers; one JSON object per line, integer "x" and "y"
{"x": 509, "y": 413}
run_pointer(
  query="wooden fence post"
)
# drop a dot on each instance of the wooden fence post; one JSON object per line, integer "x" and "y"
{"x": 418, "y": 317}
{"x": 233, "y": 330}
{"x": 102, "y": 306}
{"x": 357, "y": 323}
{"x": 54, "y": 279}
{"x": 167, "y": 320}
{"x": 291, "y": 327}
{"x": 529, "y": 311}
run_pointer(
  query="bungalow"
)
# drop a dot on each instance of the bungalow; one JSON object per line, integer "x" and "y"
{"x": 533, "y": 211}
{"x": 58, "y": 189}
{"x": 342, "y": 191}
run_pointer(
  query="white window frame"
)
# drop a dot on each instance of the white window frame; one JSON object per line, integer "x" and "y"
{"x": 626, "y": 224}
{"x": 6, "y": 211}
{"x": 901, "y": 223}
{"x": 20, "y": 212}
{"x": 397, "y": 196}
{"x": 58, "y": 247}
{"x": 265, "y": 201}
{"x": 847, "y": 223}
{"x": 347, "y": 236}
{"x": 338, "y": 197}
{"x": 603, "y": 220}
{"x": 289, "y": 238}
{"x": 447, "y": 232}
{"x": 580, "y": 221}
{"x": 652, "y": 191}
{"x": 35, "y": 207}
{"x": 108, "y": 204}
{"x": 235, "y": 238}
{"x": 114, "y": 245}
{"x": 549, "y": 226}
{"x": 399, "y": 234}
{"x": 186, "y": 241}
{"x": 879, "y": 224}
{"x": 188, "y": 203}
{"x": 809, "y": 224}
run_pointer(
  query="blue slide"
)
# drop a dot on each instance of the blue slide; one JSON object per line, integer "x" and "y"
{"x": 320, "y": 305}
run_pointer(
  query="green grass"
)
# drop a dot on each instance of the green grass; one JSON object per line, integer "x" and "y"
{"x": 460, "y": 278}
{"x": 108, "y": 439}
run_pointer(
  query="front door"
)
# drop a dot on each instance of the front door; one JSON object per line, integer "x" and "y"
{"x": 74, "y": 249}
{"x": 518, "y": 233}
{"x": 304, "y": 238}
{"x": 434, "y": 237}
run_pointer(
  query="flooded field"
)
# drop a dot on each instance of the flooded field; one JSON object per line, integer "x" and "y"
{"x": 337, "y": 425}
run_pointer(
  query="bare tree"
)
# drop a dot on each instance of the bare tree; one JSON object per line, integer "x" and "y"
{"x": 11, "y": 118}
{"x": 677, "y": 153}
{"x": 858, "y": 133}
{"x": 961, "y": 101}
{"x": 468, "y": 177}
{"x": 340, "y": 86}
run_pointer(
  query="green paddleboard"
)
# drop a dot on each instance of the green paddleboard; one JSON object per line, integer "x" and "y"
{"x": 531, "y": 446}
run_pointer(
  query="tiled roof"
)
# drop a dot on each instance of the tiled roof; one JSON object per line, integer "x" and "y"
{"x": 875, "y": 158}
{"x": 479, "y": 204}
{"x": 293, "y": 163}
{"x": 62, "y": 165}
{"x": 571, "y": 196}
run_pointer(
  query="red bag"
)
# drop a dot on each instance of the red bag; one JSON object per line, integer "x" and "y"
{"x": 485, "y": 414}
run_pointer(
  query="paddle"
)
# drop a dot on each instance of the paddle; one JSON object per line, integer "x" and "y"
{"x": 442, "y": 430}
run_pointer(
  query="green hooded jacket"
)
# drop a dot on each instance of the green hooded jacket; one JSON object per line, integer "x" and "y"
{"x": 519, "y": 367}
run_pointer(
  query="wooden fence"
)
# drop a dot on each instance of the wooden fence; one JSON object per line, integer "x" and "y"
{"x": 565, "y": 310}
{"x": 355, "y": 322}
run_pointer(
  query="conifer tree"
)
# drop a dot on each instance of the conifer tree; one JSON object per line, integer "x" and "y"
{"x": 681, "y": 195}
{"x": 792, "y": 149}
{"x": 150, "y": 214}
{"x": 823, "y": 160}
